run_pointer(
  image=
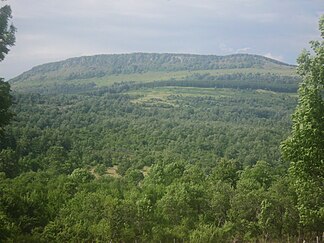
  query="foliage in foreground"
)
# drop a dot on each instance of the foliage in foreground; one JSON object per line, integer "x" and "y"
{"x": 305, "y": 147}
{"x": 207, "y": 182}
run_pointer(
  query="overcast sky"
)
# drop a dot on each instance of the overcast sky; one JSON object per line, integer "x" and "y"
{"x": 52, "y": 30}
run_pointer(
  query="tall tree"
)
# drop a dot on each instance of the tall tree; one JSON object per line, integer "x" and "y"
{"x": 305, "y": 147}
{"x": 7, "y": 31}
{"x": 5, "y": 103}
{"x": 7, "y": 39}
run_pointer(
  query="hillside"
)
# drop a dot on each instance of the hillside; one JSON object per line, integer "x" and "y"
{"x": 165, "y": 154}
{"x": 148, "y": 164}
{"x": 85, "y": 73}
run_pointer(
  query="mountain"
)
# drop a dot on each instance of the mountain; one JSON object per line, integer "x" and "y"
{"x": 156, "y": 148}
{"x": 104, "y": 70}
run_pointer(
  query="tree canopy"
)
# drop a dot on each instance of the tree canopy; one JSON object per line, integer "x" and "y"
{"x": 305, "y": 147}
{"x": 189, "y": 161}
{"x": 7, "y": 39}
{"x": 7, "y": 31}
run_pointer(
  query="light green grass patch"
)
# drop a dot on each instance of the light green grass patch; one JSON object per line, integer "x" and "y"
{"x": 161, "y": 96}
{"x": 147, "y": 77}
{"x": 159, "y": 76}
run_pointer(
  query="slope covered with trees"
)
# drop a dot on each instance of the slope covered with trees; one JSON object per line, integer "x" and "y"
{"x": 148, "y": 164}
{"x": 194, "y": 158}
{"x": 102, "y": 65}
{"x": 95, "y": 72}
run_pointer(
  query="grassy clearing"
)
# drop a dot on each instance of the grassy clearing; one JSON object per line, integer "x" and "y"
{"x": 145, "y": 170}
{"x": 157, "y": 76}
{"x": 112, "y": 171}
{"x": 163, "y": 93}
{"x": 152, "y": 76}
{"x": 162, "y": 96}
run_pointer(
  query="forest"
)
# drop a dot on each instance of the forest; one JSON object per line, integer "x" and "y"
{"x": 227, "y": 151}
{"x": 149, "y": 164}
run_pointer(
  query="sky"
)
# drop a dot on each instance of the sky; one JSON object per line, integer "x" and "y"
{"x": 54, "y": 30}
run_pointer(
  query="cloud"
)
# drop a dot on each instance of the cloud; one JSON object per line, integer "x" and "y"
{"x": 230, "y": 50}
{"x": 225, "y": 49}
{"x": 272, "y": 56}
{"x": 53, "y": 30}
{"x": 243, "y": 50}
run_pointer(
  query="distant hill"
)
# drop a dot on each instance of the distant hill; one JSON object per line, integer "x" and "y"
{"x": 88, "y": 72}
{"x": 102, "y": 65}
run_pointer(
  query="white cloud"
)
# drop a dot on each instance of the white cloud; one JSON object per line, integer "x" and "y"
{"x": 230, "y": 50}
{"x": 225, "y": 49}
{"x": 58, "y": 29}
{"x": 243, "y": 50}
{"x": 272, "y": 56}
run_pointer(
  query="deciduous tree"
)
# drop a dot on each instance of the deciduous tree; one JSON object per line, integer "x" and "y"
{"x": 305, "y": 147}
{"x": 7, "y": 39}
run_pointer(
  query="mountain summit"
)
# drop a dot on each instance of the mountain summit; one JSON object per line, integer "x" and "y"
{"x": 86, "y": 67}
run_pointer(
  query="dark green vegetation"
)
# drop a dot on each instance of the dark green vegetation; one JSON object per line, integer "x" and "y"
{"x": 156, "y": 153}
{"x": 5, "y": 103}
{"x": 305, "y": 147}
{"x": 7, "y": 39}
{"x": 7, "y": 31}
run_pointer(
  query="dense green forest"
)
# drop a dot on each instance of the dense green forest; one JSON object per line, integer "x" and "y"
{"x": 177, "y": 157}
{"x": 148, "y": 164}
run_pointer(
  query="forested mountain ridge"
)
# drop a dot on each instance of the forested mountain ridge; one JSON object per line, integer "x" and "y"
{"x": 163, "y": 148}
{"x": 92, "y": 72}
{"x": 159, "y": 156}
{"x": 101, "y": 65}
